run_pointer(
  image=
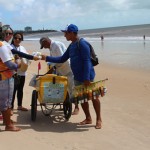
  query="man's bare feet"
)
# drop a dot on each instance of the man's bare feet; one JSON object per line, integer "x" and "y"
{"x": 12, "y": 121}
{"x": 12, "y": 128}
{"x": 76, "y": 111}
{"x": 98, "y": 125}
{"x": 86, "y": 122}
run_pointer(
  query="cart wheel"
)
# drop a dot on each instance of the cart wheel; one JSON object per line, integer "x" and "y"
{"x": 67, "y": 107}
{"x": 34, "y": 105}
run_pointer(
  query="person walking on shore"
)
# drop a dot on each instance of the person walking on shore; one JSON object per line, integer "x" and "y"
{"x": 102, "y": 38}
{"x": 82, "y": 69}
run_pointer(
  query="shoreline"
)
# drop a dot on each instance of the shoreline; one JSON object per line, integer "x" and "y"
{"x": 107, "y": 57}
{"x": 131, "y": 30}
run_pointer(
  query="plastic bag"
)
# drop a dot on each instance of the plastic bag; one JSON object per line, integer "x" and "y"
{"x": 33, "y": 81}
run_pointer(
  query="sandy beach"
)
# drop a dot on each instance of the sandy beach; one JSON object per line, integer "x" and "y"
{"x": 125, "y": 114}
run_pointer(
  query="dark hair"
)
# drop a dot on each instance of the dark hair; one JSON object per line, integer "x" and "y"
{"x": 20, "y": 33}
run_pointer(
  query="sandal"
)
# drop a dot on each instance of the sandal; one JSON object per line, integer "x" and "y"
{"x": 22, "y": 108}
{"x": 98, "y": 125}
{"x": 76, "y": 111}
{"x": 12, "y": 128}
{"x": 85, "y": 122}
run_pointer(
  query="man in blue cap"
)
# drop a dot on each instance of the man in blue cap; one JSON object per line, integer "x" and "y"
{"x": 82, "y": 69}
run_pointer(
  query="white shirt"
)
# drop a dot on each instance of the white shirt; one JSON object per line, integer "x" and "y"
{"x": 21, "y": 49}
{"x": 5, "y": 52}
{"x": 57, "y": 49}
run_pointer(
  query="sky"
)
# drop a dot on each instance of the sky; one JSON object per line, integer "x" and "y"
{"x": 86, "y": 14}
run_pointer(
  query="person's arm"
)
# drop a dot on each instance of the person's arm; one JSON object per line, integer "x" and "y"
{"x": 59, "y": 59}
{"x": 24, "y": 55}
{"x": 21, "y": 54}
{"x": 11, "y": 65}
{"x": 85, "y": 54}
{"x": 6, "y": 57}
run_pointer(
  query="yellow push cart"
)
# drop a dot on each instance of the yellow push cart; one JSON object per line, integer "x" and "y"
{"x": 50, "y": 92}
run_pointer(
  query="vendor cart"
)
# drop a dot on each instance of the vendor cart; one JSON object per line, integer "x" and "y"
{"x": 51, "y": 91}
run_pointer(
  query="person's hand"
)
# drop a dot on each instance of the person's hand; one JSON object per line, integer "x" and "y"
{"x": 18, "y": 62}
{"x": 43, "y": 57}
{"x": 87, "y": 82}
{"x": 16, "y": 56}
{"x": 36, "y": 58}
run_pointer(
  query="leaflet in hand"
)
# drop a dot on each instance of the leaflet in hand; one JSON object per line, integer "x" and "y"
{"x": 38, "y": 54}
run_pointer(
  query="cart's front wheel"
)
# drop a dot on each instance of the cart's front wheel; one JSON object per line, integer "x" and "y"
{"x": 67, "y": 107}
{"x": 34, "y": 105}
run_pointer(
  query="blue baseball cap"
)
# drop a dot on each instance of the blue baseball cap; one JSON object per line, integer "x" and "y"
{"x": 71, "y": 28}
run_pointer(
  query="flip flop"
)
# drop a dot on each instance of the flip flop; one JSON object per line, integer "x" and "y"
{"x": 76, "y": 111}
{"x": 13, "y": 128}
{"x": 85, "y": 122}
{"x": 98, "y": 125}
{"x": 22, "y": 109}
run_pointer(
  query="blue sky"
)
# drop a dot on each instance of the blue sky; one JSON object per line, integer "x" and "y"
{"x": 86, "y": 14}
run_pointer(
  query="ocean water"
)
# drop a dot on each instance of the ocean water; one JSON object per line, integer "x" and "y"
{"x": 124, "y": 51}
{"x": 124, "y": 47}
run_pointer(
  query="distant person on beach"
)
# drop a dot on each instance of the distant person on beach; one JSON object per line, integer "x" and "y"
{"x": 21, "y": 74}
{"x": 82, "y": 69}
{"x": 144, "y": 37}
{"x": 57, "y": 48}
{"x": 102, "y": 37}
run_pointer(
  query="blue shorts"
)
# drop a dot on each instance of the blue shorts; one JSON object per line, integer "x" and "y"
{"x": 6, "y": 93}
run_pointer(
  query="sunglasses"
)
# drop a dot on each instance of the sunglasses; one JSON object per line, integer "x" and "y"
{"x": 8, "y": 33}
{"x": 18, "y": 38}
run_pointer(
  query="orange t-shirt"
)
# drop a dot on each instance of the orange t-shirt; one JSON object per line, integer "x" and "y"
{"x": 5, "y": 72}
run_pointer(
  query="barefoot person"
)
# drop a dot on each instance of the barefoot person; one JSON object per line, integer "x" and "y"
{"x": 82, "y": 69}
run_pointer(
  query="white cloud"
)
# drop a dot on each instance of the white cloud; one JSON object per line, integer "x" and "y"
{"x": 88, "y": 13}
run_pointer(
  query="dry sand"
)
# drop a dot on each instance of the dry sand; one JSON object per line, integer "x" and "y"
{"x": 125, "y": 115}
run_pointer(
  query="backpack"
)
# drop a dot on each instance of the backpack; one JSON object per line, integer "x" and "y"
{"x": 94, "y": 58}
